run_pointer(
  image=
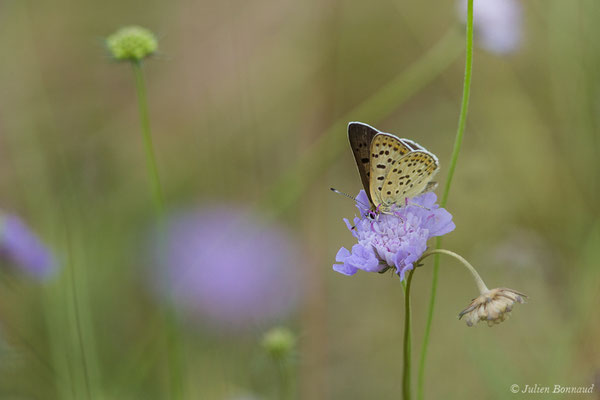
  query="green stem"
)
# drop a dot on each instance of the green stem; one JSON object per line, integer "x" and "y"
{"x": 406, "y": 377}
{"x": 452, "y": 166}
{"x": 285, "y": 382}
{"x": 147, "y": 137}
{"x": 462, "y": 121}
{"x": 427, "y": 332}
{"x": 76, "y": 316}
{"x": 173, "y": 336}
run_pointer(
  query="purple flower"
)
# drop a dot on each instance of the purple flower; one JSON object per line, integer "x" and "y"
{"x": 24, "y": 249}
{"x": 228, "y": 269}
{"x": 393, "y": 241}
{"x": 498, "y": 24}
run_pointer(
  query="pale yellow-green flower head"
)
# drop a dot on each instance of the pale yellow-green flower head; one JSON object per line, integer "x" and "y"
{"x": 132, "y": 43}
{"x": 279, "y": 342}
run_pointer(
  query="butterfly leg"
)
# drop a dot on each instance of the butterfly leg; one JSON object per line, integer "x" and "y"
{"x": 397, "y": 214}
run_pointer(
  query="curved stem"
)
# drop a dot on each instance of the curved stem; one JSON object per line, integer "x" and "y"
{"x": 406, "y": 393}
{"x": 451, "y": 168}
{"x": 480, "y": 284}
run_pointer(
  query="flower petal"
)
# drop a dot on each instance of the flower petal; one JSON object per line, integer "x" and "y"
{"x": 344, "y": 269}
{"x": 363, "y": 258}
{"x": 362, "y": 200}
{"x": 440, "y": 224}
{"x": 342, "y": 254}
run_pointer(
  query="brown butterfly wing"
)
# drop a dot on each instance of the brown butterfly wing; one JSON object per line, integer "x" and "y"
{"x": 360, "y": 136}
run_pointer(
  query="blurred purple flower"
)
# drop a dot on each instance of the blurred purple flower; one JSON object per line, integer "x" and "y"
{"x": 393, "y": 241}
{"x": 498, "y": 24}
{"x": 227, "y": 268}
{"x": 23, "y": 248}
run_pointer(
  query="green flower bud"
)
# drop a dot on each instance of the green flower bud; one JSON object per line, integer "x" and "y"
{"x": 279, "y": 342}
{"x": 132, "y": 43}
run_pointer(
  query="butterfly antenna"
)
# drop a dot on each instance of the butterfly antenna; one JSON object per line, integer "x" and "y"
{"x": 350, "y": 197}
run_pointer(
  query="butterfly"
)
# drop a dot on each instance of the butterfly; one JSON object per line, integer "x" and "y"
{"x": 392, "y": 170}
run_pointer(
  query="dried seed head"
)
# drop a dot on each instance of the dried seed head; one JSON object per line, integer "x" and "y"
{"x": 492, "y": 306}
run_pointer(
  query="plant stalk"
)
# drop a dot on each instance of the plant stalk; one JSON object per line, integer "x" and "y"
{"x": 462, "y": 121}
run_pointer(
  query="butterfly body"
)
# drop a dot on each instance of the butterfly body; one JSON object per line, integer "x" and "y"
{"x": 392, "y": 170}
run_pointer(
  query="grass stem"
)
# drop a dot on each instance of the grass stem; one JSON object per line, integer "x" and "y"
{"x": 451, "y": 168}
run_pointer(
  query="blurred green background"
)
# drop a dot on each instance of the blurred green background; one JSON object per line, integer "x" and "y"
{"x": 249, "y": 103}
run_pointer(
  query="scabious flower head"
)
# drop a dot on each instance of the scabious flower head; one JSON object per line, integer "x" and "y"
{"x": 492, "y": 306}
{"x": 393, "y": 240}
{"x": 279, "y": 342}
{"x": 227, "y": 269}
{"x": 132, "y": 43}
{"x": 498, "y": 24}
{"x": 20, "y": 246}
